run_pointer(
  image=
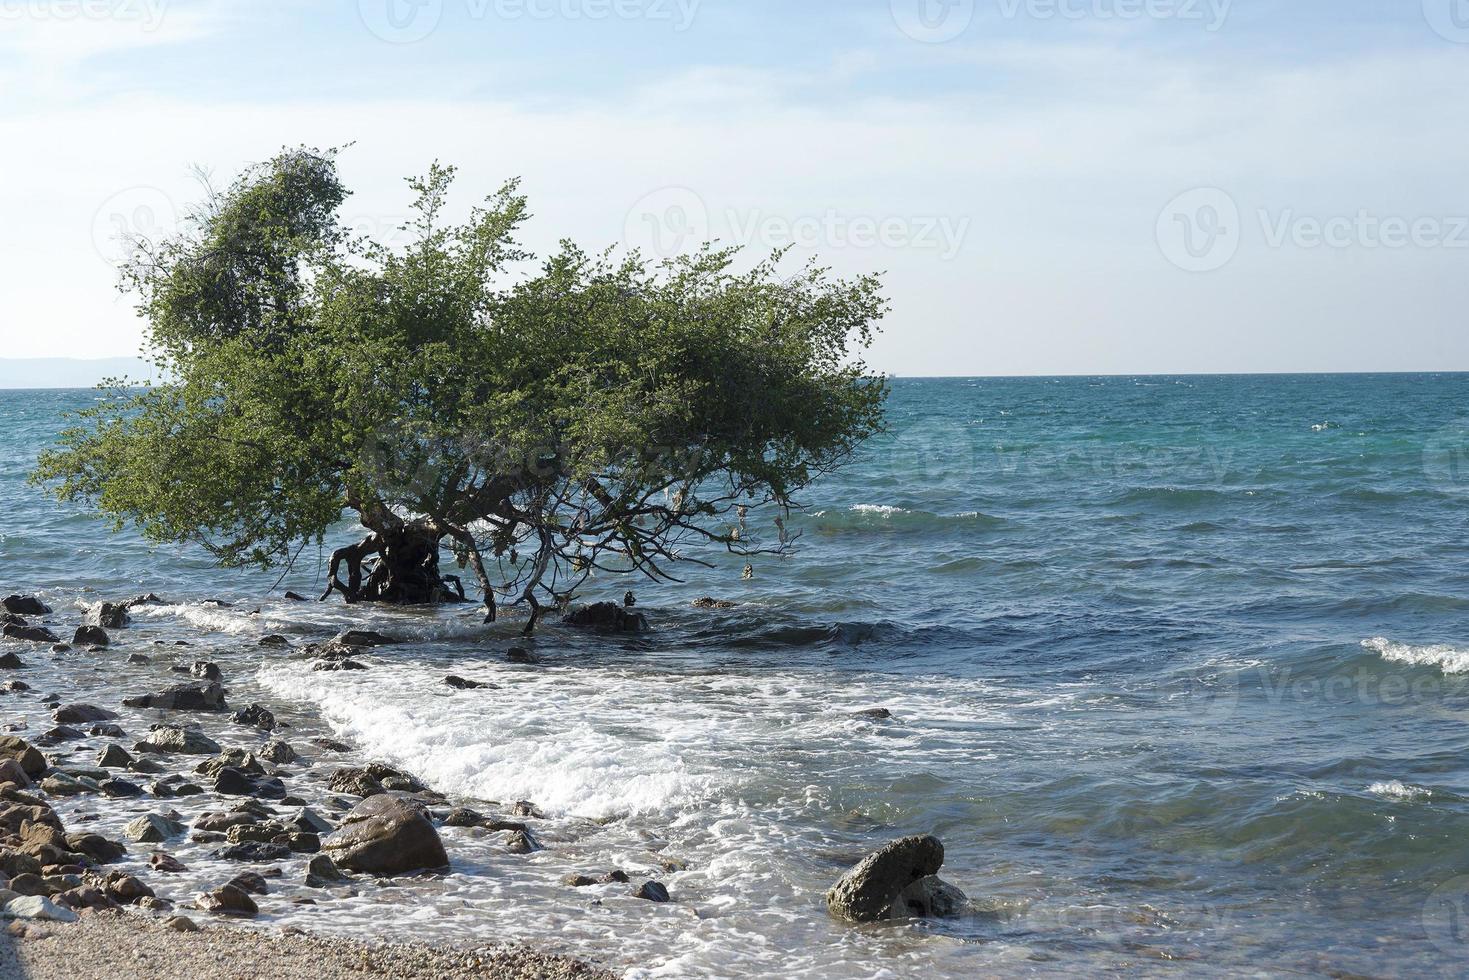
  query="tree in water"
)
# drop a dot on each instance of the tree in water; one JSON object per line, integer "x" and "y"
{"x": 541, "y": 423}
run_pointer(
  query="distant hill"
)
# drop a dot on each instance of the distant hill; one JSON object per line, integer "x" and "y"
{"x": 67, "y": 372}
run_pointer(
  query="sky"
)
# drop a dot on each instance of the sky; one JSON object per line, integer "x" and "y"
{"x": 1048, "y": 186}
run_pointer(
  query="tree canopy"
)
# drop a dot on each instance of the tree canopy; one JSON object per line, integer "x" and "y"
{"x": 545, "y": 421}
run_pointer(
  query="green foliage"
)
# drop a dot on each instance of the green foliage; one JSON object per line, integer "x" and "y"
{"x": 592, "y": 412}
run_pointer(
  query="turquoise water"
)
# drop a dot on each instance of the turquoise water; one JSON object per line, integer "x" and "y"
{"x": 1180, "y": 671}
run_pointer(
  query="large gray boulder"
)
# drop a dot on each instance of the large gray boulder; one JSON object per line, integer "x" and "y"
{"x": 385, "y": 835}
{"x": 898, "y": 881}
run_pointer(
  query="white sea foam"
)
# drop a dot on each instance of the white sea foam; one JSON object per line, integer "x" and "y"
{"x": 1398, "y": 790}
{"x": 884, "y": 510}
{"x": 1451, "y": 660}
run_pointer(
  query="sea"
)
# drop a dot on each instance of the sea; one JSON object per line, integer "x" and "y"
{"x": 1177, "y": 668}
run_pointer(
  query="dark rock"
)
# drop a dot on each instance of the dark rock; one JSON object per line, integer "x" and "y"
{"x": 524, "y": 808}
{"x": 232, "y": 782}
{"x": 126, "y": 888}
{"x": 459, "y": 683}
{"x": 82, "y": 714}
{"x": 255, "y": 851}
{"x": 206, "y": 670}
{"x": 184, "y": 741}
{"x": 220, "y": 822}
{"x": 929, "y": 898}
{"x": 331, "y": 744}
{"x": 277, "y": 751}
{"x": 114, "y": 757}
{"x": 363, "y": 638}
{"x": 153, "y": 828}
{"x": 113, "y": 615}
{"x": 15, "y": 687}
{"x": 96, "y": 847}
{"x": 385, "y": 835}
{"x": 90, "y": 636}
{"x": 11, "y": 662}
{"x": 652, "y": 891}
{"x": 521, "y": 842}
{"x": 336, "y": 665}
{"x": 614, "y": 877}
{"x": 869, "y": 892}
{"x": 250, "y": 883}
{"x": 322, "y": 872}
{"x": 233, "y": 758}
{"x": 303, "y": 843}
{"x": 608, "y": 616}
{"x": 578, "y": 881}
{"x": 708, "y": 602}
{"x": 145, "y": 600}
{"x": 255, "y": 716}
{"x": 463, "y": 817}
{"x": 25, "y": 605}
{"x": 59, "y": 734}
{"x": 519, "y": 655}
{"x": 106, "y": 730}
{"x": 355, "y": 781}
{"x": 274, "y": 640}
{"x": 31, "y": 634}
{"x": 309, "y": 822}
{"x": 296, "y": 598}
{"x": 139, "y": 659}
{"x": 230, "y": 901}
{"x": 874, "y": 714}
{"x": 166, "y": 863}
{"x": 120, "y": 788}
{"x": 184, "y": 697}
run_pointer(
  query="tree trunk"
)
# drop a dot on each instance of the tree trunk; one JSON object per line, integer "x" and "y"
{"x": 401, "y": 562}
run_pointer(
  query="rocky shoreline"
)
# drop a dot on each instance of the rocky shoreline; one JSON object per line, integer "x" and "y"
{"x": 297, "y": 826}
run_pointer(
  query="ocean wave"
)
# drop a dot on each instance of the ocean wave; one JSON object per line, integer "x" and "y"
{"x": 1397, "y": 790}
{"x": 1448, "y": 659}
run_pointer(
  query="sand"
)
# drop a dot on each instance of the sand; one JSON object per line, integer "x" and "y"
{"x": 114, "y": 946}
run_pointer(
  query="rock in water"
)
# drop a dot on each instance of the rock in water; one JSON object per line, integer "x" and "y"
{"x": 11, "y": 662}
{"x": 608, "y": 616}
{"x": 893, "y": 883}
{"x": 171, "y": 738}
{"x": 81, "y": 714}
{"x": 25, "y": 605}
{"x": 153, "y": 828}
{"x": 31, "y": 634}
{"x": 652, "y": 891}
{"x": 256, "y": 717}
{"x": 229, "y": 900}
{"x": 113, "y": 615}
{"x": 363, "y": 638}
{"x": 90, "y": 636}
{"x": 384, "y": 835}
{"x": 184, "y": 697}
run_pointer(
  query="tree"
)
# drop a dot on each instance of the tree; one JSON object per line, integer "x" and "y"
{"x": 591, "y": 414}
